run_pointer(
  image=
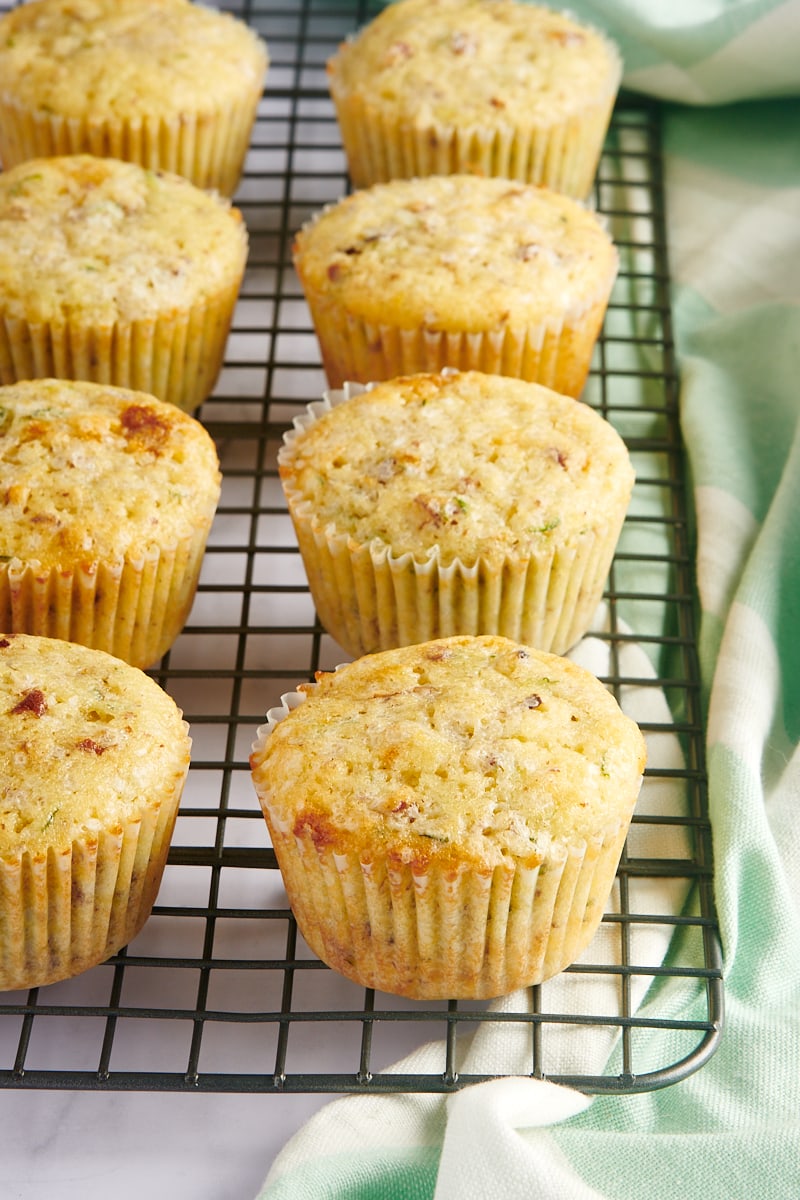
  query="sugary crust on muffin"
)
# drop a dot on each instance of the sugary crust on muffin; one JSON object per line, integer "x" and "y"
{"x": 89, "y": 472}
{"x": 457, "y": 253}
{"x": 478, "y": 466}
{"x": 476, "y": 62}
{"x": 129, "y": 58}
{"x": 87, "y": 743}
{"x": 96, "y": 240}
{"x": 459, "y": 751}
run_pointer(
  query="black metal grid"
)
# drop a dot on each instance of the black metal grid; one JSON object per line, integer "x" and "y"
{"x": 219, "y": 993}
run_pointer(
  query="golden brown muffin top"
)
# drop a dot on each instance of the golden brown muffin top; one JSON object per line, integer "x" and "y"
{"x": 476, "y": 62}
{"x": 126, "y": 58}
{"x": 464, "y": 464}
{"x": 457, "y": 253}
{"x": 464, "y": 749}
{"x": 89, "y": 472}
{"x": 87, "y": 744}
{"x": 96, "y": 240}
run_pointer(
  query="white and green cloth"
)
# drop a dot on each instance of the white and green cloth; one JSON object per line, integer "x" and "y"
{"x": 729, "y": 73}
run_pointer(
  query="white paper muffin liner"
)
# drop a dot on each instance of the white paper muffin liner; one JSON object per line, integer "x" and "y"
{"x": 133, "y": 608}
{"x": 465, "y": 932}
{"x": 175, "y": 357}
{"x": 209, "y": 148}
{"x": 369, "y": 598}
{"x": 63, "y": 912}
{"x": 556, "y": 354}
{"x": 381, "y": 145}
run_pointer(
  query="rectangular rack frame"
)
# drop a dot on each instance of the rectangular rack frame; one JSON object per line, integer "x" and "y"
{"x": 219, "y": 993}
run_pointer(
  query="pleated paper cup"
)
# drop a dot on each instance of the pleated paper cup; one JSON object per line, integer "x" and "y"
{"x": 176, "y": 357}
{"x": 382, "y": 144}
{"x": 206, "y": 148}
{"x": 557, "y": 354}
{"x": 370, "y": 597}
{"x": 444, "y": 922}
{"x": 449, "y": 931}
{"x": 133, "y": 608}
{"x": 66, "y": 911}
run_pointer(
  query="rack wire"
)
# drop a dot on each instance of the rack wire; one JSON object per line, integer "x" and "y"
{"x": 219, "y": 993}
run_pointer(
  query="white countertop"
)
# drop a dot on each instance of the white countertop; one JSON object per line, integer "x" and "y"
{"x": 87, "y": 1145}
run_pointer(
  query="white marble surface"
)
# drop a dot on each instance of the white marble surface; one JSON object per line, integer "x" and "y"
{"x": 142, "y": 1146}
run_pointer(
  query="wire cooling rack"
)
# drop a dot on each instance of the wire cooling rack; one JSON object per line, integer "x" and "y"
{"x": 219, "y": 993}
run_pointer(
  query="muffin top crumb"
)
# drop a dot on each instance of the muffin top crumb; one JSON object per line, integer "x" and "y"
{"x": 126, "y": 58}
{"x": 97, "y": 240}
{"x": 466, "y": 464}
{"x": 470, "y": 748}
{"x": 476, "y": 62}
{"x": 458, "y": 253}
{"x": 87, "y": 744}
{"x": 99, "y": 473}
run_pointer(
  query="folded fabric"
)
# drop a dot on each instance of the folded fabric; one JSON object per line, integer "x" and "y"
{"x": 703, "y": 53}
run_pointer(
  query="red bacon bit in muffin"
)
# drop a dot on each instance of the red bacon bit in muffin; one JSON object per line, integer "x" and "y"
{"x": 91, "y": 747}
{"x": 32, "y": 702}
{"x": 316, "y": 826}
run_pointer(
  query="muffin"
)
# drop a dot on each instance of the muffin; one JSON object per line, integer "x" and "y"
{"x": 94, "y": 757}
{"x": 107, "y": 500}
{"x": 170, "y": 85}
{"x": 460, "y": 271}
{"x": 457, "y": 503}
{"x": 448, "y": 817}
{"x": 494, "y": 87}
{"x": 113, "y": 273}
